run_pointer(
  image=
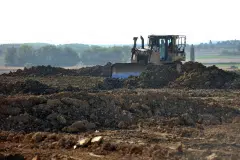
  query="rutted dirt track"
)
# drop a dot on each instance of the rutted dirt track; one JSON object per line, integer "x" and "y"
{"x": 51, "y": 116}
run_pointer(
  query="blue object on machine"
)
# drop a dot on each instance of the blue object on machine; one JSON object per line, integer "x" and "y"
{"x": 125, "y": 75}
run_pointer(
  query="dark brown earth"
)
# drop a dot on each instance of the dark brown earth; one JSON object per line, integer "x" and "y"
{"x": 44, "y": 115}
{"x": 53, "y": 71}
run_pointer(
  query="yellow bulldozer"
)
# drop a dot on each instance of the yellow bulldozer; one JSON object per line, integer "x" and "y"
{"x": 161, "y": 50}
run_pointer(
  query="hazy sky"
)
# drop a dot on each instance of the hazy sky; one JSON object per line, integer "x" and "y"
{"x": 116, "y": 21}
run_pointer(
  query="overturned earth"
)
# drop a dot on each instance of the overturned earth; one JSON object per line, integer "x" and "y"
{"x": 194, "y": 75}
{"x": 161, "y": 114}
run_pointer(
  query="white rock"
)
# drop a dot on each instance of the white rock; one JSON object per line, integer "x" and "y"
{"x": 84, "y": 141}
{"x": 97, "y": 139}
{"x": 212, "y": 157}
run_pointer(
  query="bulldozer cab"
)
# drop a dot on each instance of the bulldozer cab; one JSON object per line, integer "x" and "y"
{"x": 170, "y": 47}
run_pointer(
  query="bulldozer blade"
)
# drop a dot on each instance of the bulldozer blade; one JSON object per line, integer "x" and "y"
{"x": 124, "y": 70}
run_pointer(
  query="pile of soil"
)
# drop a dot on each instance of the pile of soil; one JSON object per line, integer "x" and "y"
{"x": 28, "y": 86}
{"x": 103, "y": 71}
{"x": 41, "y": 71}
{"x": 157, "y": 76}
{"x": 96, "y": 71}
{"x": 35, "y": 87}
{"x": 193, "y": 66}
{"x": 78, "y": 112}
{"x": 154, "y": 77}
{"x": 110, "y": 83}
{"x": 196, "y": 75}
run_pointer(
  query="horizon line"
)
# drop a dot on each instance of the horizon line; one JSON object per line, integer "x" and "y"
{"x": 104, "y": 44}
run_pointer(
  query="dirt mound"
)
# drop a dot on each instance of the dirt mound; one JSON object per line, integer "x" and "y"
{"x": 77, "y": 112}
{"x": 103, "y": 71}
{"x": 157, "y": 76}
{"x": 193, "y": 66}
{"x": 196, "y": 75}
{"x": 35, "y": 87}
{"x": 110, "y": 83}
{"x": 50, "y": 71}
{"x": 154, "y": 77}
{"x": 28, "y": 86}
{"x": 41, "y": 71}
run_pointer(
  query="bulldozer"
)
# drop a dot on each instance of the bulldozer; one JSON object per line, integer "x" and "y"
{"x": 161, "y": 50}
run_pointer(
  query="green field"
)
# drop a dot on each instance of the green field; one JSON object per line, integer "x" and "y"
{"x": 221, "y": 61}
{"x": 216, "y": 56}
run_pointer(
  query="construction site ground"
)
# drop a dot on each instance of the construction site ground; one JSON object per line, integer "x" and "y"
{"x": 46, "y": 117}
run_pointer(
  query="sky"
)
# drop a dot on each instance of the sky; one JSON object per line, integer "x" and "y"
{"x": 117, "y": 21}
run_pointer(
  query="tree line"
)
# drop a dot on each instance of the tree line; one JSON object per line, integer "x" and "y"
{"x": 102, "y": 55}
{"x": 62, "y": 55}
{"x": 46, "y": 55}
{"x": 229, "y": 44}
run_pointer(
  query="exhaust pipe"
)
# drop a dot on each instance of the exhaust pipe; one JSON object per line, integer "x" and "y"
{"x": 134, "y": 47}
{"x": 142, "y": 42}
{"x": 135, "y": 42}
